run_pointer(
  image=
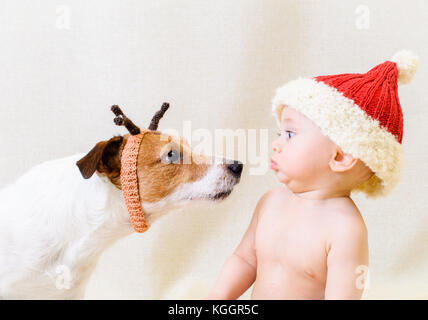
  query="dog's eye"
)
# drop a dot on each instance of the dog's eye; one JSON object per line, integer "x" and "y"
{"x": 173, "y": 156}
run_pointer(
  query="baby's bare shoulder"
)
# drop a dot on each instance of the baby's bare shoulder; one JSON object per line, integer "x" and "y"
{"x": 345, "y": 220}
{"x": 272, "y": 200}
{"x": 274, "y": 196}
{"x": 343, "y": 211}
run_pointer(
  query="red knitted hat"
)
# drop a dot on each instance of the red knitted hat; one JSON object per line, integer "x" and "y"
{"x": 360, "y": 112}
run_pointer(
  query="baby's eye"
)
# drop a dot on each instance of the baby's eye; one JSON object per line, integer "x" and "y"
{"x": 288, "y": 133}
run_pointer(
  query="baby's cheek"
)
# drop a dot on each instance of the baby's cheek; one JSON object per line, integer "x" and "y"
{"x": 303, "y": 167}
{"x": 304, "y": 161}
{"x": 293, "y": 162}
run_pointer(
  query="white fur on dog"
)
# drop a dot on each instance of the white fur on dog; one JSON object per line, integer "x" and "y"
{"x": 53, "y": 226}
{"x": 215, "y": 180}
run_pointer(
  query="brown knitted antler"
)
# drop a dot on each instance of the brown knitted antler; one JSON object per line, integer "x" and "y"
{"x": 158, "y": 115}
{"x": 122, "y": 120}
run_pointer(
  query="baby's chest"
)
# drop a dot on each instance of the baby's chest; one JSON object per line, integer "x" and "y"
{"x": 297, "y": 244}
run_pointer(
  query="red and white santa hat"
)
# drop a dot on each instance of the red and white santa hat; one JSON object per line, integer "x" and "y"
{"x": 361, "y": 113}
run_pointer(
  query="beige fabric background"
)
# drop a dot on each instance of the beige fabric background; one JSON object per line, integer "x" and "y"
{"x": 63, "y": 63}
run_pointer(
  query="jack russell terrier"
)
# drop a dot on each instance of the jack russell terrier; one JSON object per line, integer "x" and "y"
{"x": 54, "y": 221}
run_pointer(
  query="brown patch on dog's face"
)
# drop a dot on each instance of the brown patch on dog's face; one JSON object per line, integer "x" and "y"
{"x": 165, "y": 162}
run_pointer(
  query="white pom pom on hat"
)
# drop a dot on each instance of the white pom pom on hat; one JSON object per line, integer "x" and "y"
{"x": 407, "y": 64}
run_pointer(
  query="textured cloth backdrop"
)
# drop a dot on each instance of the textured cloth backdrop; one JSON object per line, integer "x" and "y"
{"x": 218, "y": 63}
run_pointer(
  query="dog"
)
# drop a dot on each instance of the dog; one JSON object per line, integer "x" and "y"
{"x": 58, "y": 218}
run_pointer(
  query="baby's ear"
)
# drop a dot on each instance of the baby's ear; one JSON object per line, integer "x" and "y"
{"x": 341, "y": 161}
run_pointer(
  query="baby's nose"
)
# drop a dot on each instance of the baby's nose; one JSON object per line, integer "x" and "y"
{"x": 275, "y": 147}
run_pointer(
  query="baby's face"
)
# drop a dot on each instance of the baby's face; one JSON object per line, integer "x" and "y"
{"x": 301, "y": 153}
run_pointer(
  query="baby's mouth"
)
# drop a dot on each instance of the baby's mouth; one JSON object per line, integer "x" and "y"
{"x": 273, "y": 165}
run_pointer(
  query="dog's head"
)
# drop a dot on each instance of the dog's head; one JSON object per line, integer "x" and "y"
{"x": 169, "y": 173}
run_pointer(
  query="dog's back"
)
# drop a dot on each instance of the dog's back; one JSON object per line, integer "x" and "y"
{"x": 37, "y": 221}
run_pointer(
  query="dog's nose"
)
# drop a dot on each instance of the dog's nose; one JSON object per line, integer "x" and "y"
{"x": 235, "y": 168}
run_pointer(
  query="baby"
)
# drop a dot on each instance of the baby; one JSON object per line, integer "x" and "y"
{"x": 339, "y": 134}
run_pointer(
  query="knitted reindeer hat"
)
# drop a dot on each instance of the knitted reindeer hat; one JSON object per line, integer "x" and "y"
{"x": 360, "y": 112}
{"x": 128, "y": 171}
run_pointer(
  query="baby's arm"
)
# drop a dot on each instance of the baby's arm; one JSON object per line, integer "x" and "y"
{"x": 347, "y": 258}
{"x": 239, "y": 271}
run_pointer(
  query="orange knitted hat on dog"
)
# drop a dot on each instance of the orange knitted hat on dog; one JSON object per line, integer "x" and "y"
{"x": 129, "y": 181}
{"x": 128, "y": 171}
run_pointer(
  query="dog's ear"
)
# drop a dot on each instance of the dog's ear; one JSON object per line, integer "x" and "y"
{"x": 104, "y": 157}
